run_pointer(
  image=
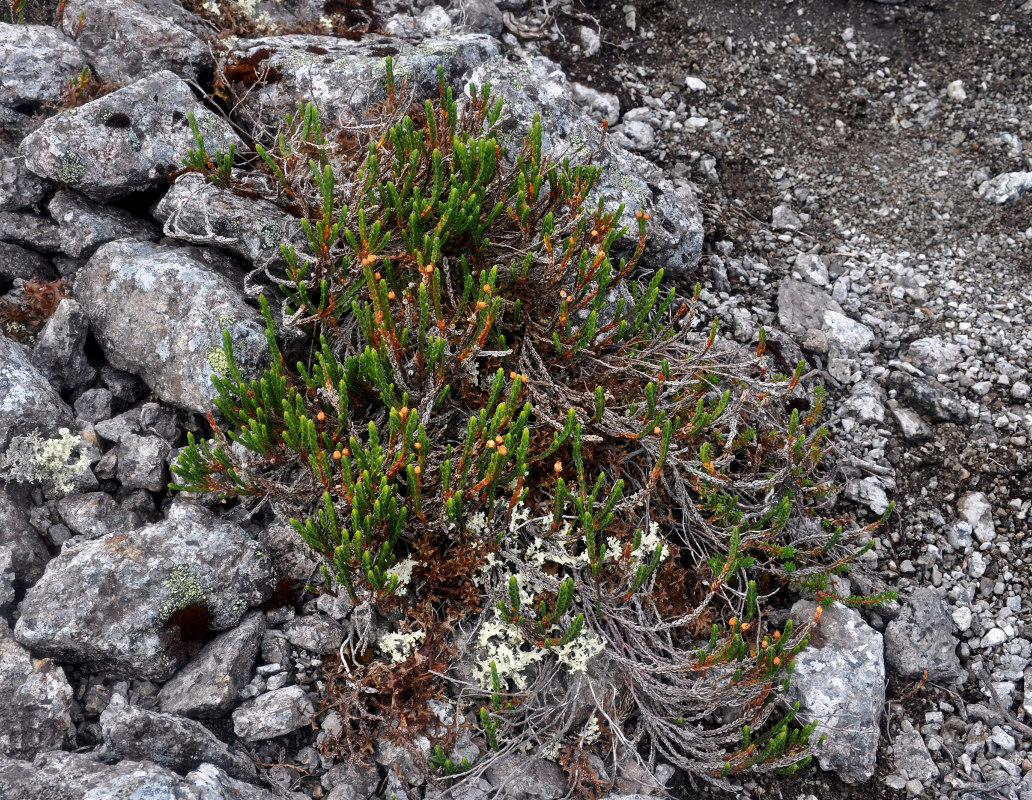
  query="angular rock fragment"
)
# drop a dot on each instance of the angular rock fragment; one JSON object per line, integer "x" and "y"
{"x": 123, "y": 41}
{"x": 160, "y": 311}
{"x": 272, "y": 714}
{"x": 921, "y": 638}
{"x": 199, "y": 212}
{"x": 29, "y": 555}
{"x": 59, "y": 352}
{"x": 133, "y": 603}
{"x": 928, "y": 397}
{"x": 83, "y": 225}
{"x": 29, "y": 230}
{"x": 126, "y": 141}
{"x": 802, "y": 307}
{"x": 35, "y": 702}
{"x": 180, "y": 744}
{"x": 840, "y": 681}
{"x": 94, "y": 514}
{"x": 17, "y": 262}
{"x": 143, "y": 462}
{"x": 19, "y": 187}
{"x": 209, "y": 684}
{"x": 27, "y": 400}
{"x": 38, "y": 62}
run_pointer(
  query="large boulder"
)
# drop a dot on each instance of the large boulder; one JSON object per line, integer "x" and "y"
{"x": 343, "y": 77}
{"x": 133, "y": 604}
{"x": 539, "y": 86}
{"x": 38, "y": 62}
{"x": 123, "y": 41}
{"x": 77, "y": 776}
{"x": 125, "y": 141}
{"x": 159, "y": 312}
{"x": 839, "y": 680}
{"x": 35, "y": 702}
{"x": 197, "y": 211}
{"x": 180, "y": 744}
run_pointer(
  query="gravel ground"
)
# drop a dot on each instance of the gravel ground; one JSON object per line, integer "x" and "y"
{"x": 871, "y": 136}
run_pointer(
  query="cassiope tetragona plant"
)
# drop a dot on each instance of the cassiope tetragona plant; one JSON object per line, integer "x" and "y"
{"x": 498, "y": 427}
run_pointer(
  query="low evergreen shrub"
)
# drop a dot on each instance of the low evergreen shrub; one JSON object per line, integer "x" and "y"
{"x": 513, "y": 452}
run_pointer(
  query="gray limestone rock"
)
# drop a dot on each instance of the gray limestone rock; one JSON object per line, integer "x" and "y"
{"x": 79, "y": 776}
{"x": 94, "y": 514}
{"x": 125, "y": 141}
{"x": 29, "y": 230}
{"x": 143, "y": 462}
{"x": 928, "y": 397}
{"x": 868, "y": 492}
{"x": 27, "y": 400}
{"x": 175, "y": 742}
{"x": 199, "y": 212}
{"x": 976, "y": 510}
{"x": 911, "y": 426}
{"x": 921, "y": 638}
{"x": 538, "y": 86}
{"x": 18, "y": 262}
{"x": 29, "y": 555}
{"x": 910, "y": 755}
{"x": 93, "y": 405}
{"x": 19, "y": 187}
{"x": 802, "y": 307}
{"x": 123, "y": 41}
{"x": 783, "y": 218}
{"x": 273, "y": 714}
{"x": 813, "y": 269}
{"x": 83, "y": 225}
{"x": 867, "y": 402}
{"x": 35, "y": 702}
{"x": 59, "y": 352}
{"x": 149, "y": 418}
{"x": 840, "y": 681}
{"x": 527, "y": 778}
{"x": 160, "y": 312}
{"x": 343, "y": 78}
{"x": 38, "y": 62}
{"x": 209, "y": 683}
{"x": 315, "y": 633}
{"x": 118, "y": 603}
{"x": 1006, "y": 187}
{"x": 933, "y": 356}
{"x": 7, "y": 578}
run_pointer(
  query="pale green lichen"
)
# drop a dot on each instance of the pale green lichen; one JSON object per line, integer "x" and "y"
{"x": 216, "y": 358}
{"x": 184, "y": 589}
{"x": 46, "y": 462}
{"x": 72, "y": 169}
{"x": 214, "y": 354}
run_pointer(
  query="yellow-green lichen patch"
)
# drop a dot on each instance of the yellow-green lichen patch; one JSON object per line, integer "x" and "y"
{"x": 184, "y": 589}
{"x": 72, "y": 169}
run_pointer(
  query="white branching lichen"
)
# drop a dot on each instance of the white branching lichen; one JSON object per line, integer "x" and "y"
{"x": 399, "y": 646}
{"x": 46, "y": 462}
